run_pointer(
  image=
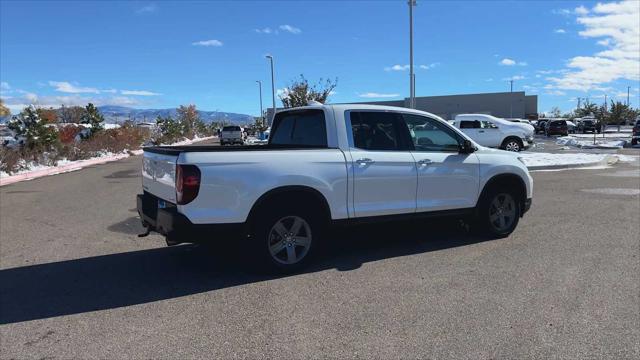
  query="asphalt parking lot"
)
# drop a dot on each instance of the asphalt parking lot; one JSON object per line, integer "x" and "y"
{"x": 76, "y": 281}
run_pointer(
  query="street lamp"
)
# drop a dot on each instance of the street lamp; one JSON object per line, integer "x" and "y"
{"x": 273, "y": 88}
{"x": 412, "y": 76}
{"x": 260, "y": 89}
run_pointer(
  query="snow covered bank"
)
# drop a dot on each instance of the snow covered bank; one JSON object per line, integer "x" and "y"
{"x": 589, "y": 144}
{"x": 63, "y": 166}
{"x": 538, "y": 160}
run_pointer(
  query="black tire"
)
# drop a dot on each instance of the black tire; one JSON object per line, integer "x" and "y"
{"x": 487, "y": 221}
{"x": 512, "y": 144}
{"x": 265, "y": 236}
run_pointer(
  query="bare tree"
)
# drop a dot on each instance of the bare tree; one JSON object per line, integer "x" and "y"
{"x": 299, "y": 92}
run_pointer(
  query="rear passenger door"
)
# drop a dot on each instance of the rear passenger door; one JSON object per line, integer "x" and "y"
{"x": 384, "y": 171}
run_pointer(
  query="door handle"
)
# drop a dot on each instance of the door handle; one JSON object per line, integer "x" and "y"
{"x": 425, "y": 162}
{"x": 364, "y": 161}
{"x": 480, "y": 131}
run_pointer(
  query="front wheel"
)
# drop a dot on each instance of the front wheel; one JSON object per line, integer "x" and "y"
{"x": 498, "y": 213}
{"x": 512, "y": 144}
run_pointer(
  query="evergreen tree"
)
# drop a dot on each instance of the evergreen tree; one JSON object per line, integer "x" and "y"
{"x": 29, "y": 125}
{"x": 93, "y": 117}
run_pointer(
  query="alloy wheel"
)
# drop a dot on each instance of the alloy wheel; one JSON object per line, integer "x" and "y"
{"x": 289, "y": 240}
{"x": 502, "y": 212}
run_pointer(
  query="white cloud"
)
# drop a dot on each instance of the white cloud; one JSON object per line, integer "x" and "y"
{"x": 139, "y": 93}
{"x": 555, "y": 92}
{"x": 559, "y": 31}
{"x": 266, "y": 30}
{"x": 511, "y": 62}
{"x": 16, "y": 104}
{"x": 4, "y": 86}
{"x": 151, "y": 8}
{"x": 507, "y": 62}
{"x": 291, "y": 29}
{"x": 377, "y": 95}
{"x": 489, "y": 80}
{"x": 581, "y": 10}
{"x": 405, "y": 67}
{"x": 397, "y": 68}
{"x": 515, "y": 77}
{"x": 66, "y": 87}
{"x": 212, "y": 42}
{"x": 617, "y": 23}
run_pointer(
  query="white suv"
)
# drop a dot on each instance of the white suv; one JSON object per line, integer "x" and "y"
{"x": 491, "y": 131}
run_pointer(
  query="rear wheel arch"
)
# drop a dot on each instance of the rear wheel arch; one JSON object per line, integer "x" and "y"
{"x": 312, "y": 197}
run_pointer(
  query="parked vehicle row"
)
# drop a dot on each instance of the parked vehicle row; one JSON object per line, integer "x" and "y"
{"x": 325, "y": 166}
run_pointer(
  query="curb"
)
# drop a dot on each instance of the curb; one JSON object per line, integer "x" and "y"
{"x": 78, "y": 165}
{"x": 608, "y": 160}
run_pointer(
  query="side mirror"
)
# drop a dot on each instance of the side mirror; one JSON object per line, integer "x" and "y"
{"x": 467, "y": 147}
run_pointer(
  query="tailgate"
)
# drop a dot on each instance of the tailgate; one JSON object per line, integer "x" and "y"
{"x": 158, "y": 175}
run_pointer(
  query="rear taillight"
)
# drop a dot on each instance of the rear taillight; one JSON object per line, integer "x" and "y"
{"x": 187, "y": 183}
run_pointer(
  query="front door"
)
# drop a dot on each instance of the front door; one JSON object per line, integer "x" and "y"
{"x": 384, "y": 171}
{"x": 447, "y": 179}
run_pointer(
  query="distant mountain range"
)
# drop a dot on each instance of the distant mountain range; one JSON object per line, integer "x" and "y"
{"x": 119, "y": 114}
{"x": 113, "y": 114}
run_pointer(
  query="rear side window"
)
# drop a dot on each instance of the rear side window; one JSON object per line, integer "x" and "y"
{"x": 299, "y": 128}
{"x": 470, "y": 124}
{"x": 231, "y": 128}
{"x": 558, "y": 123}
{"x": 377, "y": 130}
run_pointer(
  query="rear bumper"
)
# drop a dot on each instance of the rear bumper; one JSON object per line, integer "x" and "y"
{"x": 176, "y": 227}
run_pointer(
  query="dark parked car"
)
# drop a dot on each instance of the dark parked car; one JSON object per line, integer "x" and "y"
{"x": 556, "y": 127}
{"x": 540, "y": 126}
{"x": 635, "y": 134}
{"x": 588, "y": 126}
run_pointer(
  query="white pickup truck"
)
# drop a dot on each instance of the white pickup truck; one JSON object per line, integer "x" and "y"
{"x": 326, "y": 165}
{"x": 491, "y": 131}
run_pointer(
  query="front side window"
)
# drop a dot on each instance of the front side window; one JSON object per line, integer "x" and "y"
{"x": 299, "y": 128}
{"x": 375, "y": 130}
{"x": 488, "y": 125}
{"x": 430, "y": 135}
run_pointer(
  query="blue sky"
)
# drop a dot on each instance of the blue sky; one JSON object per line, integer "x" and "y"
{"x": 163, "y": 54}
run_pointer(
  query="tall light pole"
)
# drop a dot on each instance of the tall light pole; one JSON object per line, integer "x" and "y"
{"x": 412, "y": 76}
{"x": 260, "y": 89}
{"x": 628, "y": 103}
{"x": 273, "y": 89}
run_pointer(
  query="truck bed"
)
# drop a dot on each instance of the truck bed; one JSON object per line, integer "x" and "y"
{"x": 175, "y": 150}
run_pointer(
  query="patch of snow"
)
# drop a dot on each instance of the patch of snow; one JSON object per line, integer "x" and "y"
{"x": 537, "y": 159}
{"x": 588, "y": 144}
{"x": 627, "y": 158}
{"x": 613, "y": 191}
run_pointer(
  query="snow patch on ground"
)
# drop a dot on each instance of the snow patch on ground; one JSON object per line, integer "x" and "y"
{"x": 537, "y": 159}
{"x": 589, "y": 144}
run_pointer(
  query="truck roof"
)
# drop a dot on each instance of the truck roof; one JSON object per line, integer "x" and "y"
{"x": 347, "y": 107}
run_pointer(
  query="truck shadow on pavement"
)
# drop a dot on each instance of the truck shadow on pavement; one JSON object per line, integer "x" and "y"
{"x": 138, "y": 277}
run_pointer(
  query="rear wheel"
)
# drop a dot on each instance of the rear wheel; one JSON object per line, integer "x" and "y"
{"x": 512, "y": 144}
{"x": 286, "y": 238}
